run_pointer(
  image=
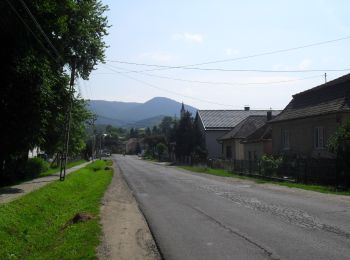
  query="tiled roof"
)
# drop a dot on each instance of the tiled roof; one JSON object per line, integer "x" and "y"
{"x": 327, "y": 98}
{"x": 262, "y": 133}
{"x": 245, "y": 127}
{"x": 227, "y": 119}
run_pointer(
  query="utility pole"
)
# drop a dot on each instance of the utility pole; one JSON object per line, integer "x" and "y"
{"x": 93, "y": 138}
{"x": 325, "y": 78}
{"x": 101, "y": 146}
{"x": 64, "y": 154}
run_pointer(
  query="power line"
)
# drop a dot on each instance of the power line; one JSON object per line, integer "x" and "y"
{"x": 238, "y": 58}
{"x": 41, "y": 30}
{"x": 219, "y": 82}
{"x": 173, "y": 92}
{"x": 223, "y": 70}
{"x": 30, "y": 30}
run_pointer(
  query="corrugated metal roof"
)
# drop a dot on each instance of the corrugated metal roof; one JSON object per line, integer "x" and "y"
{"x": 227, "y": 119}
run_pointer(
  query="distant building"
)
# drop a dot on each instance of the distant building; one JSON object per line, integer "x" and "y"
{"x": 215, "y": 123}
{"x": 310, "y": 119}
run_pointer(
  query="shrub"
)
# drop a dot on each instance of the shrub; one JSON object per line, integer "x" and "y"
{"x": 269, "y": 164}
{"x": 35, "y": 166}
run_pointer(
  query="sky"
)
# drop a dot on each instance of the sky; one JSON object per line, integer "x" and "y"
{"x": 179, "y": 33}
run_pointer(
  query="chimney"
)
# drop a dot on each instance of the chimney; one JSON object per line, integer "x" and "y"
{"x": 269, "y": 115}
{"x": 246, "y": 108}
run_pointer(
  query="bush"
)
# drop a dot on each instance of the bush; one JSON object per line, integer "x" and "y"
{"x": 35, "y": 166}
{"x": 269, "y": 164}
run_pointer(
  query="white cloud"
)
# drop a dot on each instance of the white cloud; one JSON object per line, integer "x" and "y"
{"x": 158, "y": 56}
{"x": 305, "y": 64}
{"x": 230, "y": 51}
{"x": 190, "y": 37}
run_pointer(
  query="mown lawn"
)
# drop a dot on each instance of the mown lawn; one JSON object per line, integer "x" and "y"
{"x": 37, "y": 226}
{"x": 57, "y": 169}
{"x": 225, "y": 173}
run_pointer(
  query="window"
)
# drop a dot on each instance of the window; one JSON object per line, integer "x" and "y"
{"x": 319, "y": 137}
{"x": 228, "y": 152}
{"x": 285, "y": 134}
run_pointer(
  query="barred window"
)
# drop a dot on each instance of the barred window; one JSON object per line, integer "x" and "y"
{"x": 285, "y": 139}
{"x": 319, "y": 137}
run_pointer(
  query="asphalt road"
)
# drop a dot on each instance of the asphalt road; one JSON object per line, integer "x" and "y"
{"x": 199, "y": 216}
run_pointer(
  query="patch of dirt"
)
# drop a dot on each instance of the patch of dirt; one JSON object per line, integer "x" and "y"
{"x": 79, "y": 218}
{"x": 126, "y": 234}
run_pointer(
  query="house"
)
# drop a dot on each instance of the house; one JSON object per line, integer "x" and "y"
{"x": 213, "y": 124}
{"x": 303, "y": 128}
{"x": 258, "y": 143}
{"x": 233, "y": 142}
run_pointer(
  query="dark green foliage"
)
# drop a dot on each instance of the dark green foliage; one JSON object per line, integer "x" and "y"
{"x": 339, "y": 144}
{"x": 34, "y": 77}
{"x": 35, "y": 166}
{"x": 161, "y": 149}
{"x": 269, "y": 165}
{"x": 184, "y": 136}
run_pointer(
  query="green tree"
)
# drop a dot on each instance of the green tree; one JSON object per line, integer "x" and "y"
{"x": 339, "y": 144}
{"x": 184, "y": 136}
{"x": 161, "y": 149}
{"x": 33, "y": 98}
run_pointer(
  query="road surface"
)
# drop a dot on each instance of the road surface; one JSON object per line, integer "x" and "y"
{"x": 199, "y": 216}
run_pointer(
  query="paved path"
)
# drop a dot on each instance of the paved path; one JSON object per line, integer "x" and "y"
{"x": 11, "y": 193}
{"x": 199, "y": 216}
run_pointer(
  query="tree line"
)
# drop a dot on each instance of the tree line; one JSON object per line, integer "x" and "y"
{"x": 179, "y": 137}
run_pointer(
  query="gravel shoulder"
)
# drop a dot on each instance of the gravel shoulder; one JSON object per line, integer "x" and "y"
{"x": 126, "y": 234}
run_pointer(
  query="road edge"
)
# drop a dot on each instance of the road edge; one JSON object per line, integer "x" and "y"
{"x": 125, "y": 231}
{"x": 143, "y": 215}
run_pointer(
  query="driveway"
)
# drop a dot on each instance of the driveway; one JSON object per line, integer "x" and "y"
{"x": 198, "y": 216}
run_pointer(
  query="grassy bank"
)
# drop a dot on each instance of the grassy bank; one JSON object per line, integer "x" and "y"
{"x": 53, "y": 170}
{"x": 225, "y": 173}
{"x": 39, "y": 225}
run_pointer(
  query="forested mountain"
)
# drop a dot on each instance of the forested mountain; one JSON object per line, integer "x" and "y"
{"x": 131, "y": 114}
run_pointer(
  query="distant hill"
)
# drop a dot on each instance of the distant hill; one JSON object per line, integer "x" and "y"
{"x": 132, "y": 114}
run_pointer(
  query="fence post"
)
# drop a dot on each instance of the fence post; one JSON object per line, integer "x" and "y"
{"x": 305, "y": 171}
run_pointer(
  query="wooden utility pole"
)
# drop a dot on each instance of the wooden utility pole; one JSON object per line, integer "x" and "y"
{"x": 93, "y": 138}
{"x": 64, "y": 154}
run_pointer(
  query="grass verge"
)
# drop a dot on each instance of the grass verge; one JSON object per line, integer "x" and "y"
{"x": 39, "y": 226}
{"x": 225, "y": 173}
{"x": 53, "y": 170}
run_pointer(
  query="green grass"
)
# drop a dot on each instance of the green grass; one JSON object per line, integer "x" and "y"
{"x": 225, "y": 173}
{"x": 35, "y": 226}
{"x": 53, "y": 170}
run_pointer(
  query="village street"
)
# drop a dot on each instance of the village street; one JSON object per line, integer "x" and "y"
{"x": 199, "y": 216}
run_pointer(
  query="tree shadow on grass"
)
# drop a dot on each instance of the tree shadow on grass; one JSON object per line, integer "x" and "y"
{"x": 10, "y": 190}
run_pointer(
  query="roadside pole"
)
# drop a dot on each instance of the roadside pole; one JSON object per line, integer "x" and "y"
{"x": 64, "y": 154}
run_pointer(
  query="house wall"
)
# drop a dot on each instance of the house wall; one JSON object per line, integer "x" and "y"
{"x": 225, "y": 144}
{"x": 302, "y": 134}
{"x": 236, "y": 147}
{"x": 214, "y": 148}
{"x": 260, "y": 148}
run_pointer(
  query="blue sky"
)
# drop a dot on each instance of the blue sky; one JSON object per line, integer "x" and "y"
{"x": 189, "y": 32}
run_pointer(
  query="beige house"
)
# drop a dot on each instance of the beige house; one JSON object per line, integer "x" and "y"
{"x": 310, "y": 119}
{"x": 235, "y": 143}
{"x": 213, "y": 124}
{"x": 258, "y": 143}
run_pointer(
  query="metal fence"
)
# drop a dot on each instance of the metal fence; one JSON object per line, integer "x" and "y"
{"x": 308, "y": 171}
